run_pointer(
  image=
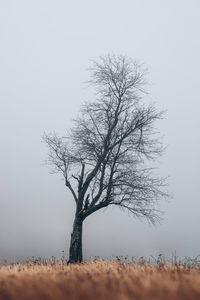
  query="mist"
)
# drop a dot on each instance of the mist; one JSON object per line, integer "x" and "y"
{"x": 46, "y": 50}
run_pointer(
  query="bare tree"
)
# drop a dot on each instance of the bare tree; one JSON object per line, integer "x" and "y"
{"x": 104, "y": 157}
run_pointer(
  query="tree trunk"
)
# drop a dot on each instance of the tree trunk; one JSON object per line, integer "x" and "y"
{"x": 75, "y": 251}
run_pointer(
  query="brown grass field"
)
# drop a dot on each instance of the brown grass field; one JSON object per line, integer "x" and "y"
{"x": 99, "y": 280}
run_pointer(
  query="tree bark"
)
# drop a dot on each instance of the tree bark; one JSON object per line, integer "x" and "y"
{"x": 75, "y": 251}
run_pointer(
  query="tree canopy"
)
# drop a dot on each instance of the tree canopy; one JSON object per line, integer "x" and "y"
{"x": 104, "y": 156}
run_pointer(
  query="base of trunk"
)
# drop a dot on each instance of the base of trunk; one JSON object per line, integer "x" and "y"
{"x": 75, "y": 251}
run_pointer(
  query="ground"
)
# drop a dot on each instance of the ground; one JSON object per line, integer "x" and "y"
{"x": 99, "y": 280}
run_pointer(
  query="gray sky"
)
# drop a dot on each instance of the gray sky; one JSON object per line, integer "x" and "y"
{"x": 45, "y": 50}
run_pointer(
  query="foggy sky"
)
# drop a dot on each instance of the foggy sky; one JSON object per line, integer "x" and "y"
{"x": 46, "y": 48}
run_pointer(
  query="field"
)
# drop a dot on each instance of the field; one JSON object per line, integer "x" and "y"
{"x": 99, "y": 280}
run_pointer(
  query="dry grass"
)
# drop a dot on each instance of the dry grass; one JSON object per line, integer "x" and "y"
{"x": 99, "y": 280}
